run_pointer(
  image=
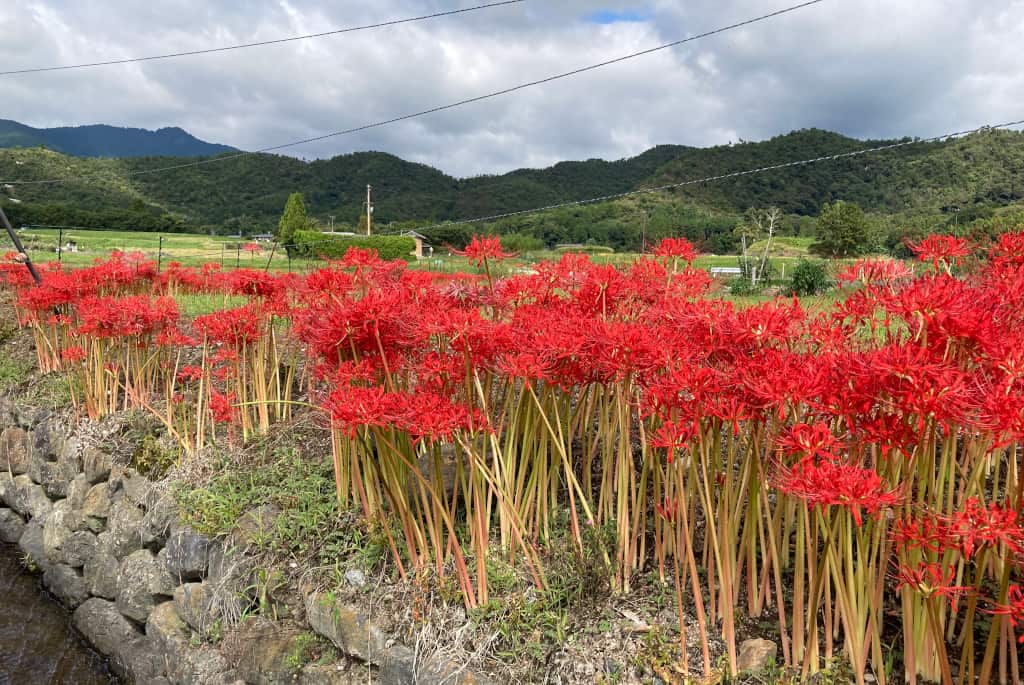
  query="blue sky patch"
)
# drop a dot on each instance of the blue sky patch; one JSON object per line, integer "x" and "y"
{"x": 615, "y": 16}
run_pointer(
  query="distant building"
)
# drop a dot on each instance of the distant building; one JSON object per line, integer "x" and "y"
{"x": 725, "y": 271}
{"x": 264, "y": 237}
{"x": 422, "y": 248}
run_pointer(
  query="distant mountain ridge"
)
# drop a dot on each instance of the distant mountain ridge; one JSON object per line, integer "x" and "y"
{"x": 101, "y": 140}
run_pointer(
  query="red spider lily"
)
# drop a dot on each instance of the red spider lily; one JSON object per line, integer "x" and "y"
{"x": 977, "y": 525}
{"x": 808, "y": 440}
{"x": 354, "y": 408}
{"x": 252, "y": 248}
{"x": 929, "y": 533}
{"x": 826, "y": 484}
{"x": 875, "y": 271}
{"x": 74, "y": 353}
{"x": 673, "y": 435}
{"x": 1008, "y": 250}
{"x": 931, "y": 580}
{"x": 115, "y": 317}
{"x": 1014, "y": 608}
{"x": 676, "y": 248}
{"x": 189, "y": 373}
{"x": 431, "y": 418}
{"x": 947, "y": 249}
{"x": 235, "y": 327}
{"x": 360, "y": 258}
{"x": 483, "y": 249}
{"x": 222, "y": 407}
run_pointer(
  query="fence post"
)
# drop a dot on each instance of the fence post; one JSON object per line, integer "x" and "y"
{"x": 238, "y": 255}
{"x": 160, "y": 255}
{"x": 60, "y": 244}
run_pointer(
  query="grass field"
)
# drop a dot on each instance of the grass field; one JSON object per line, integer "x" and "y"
{"x": 194, "y": 249}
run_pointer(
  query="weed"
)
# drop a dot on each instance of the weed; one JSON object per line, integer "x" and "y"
{"x": 152, "y": 459}
{"x": 29, "y": 564}
{"x": 309, "y": 648}
{"x": 307, "y": 523}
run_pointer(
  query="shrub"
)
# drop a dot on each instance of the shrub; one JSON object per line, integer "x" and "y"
{"x": 809, "y": 278}
{"x": 521, "y": 242}
{"x": 313, "y": 244}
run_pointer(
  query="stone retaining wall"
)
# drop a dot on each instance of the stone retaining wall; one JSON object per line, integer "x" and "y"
{"x": 145, "y": 588}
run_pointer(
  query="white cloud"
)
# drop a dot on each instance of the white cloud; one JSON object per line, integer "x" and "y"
{"x": 868, "y": 68}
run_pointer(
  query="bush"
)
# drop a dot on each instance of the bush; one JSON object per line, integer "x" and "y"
{"x": 809, "y": 278}
{"x": 313, "y": 244}
{"x": 521, "y": 242}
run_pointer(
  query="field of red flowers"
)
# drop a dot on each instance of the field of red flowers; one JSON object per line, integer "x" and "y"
{"x": 854, "y": 473}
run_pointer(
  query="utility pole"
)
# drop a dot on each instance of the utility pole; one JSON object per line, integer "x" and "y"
{"x": 369, "y": 210}
{"x": 22, "y": 255}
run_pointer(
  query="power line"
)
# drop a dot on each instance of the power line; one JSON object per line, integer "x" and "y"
{"x": 352, "y": 29}
{"x": 442, "y": 108}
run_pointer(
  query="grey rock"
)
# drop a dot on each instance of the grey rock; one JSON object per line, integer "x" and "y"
{"x": 104, "y": 626}
{"x": 348, "y": 627}
{"x": 31, "y": 544}
{"x": 56, "y": 530}
{"x": 14, "y": 450}
{"x": 70, "y": 452}
{"x": 209, "y": 667}
{"x": 137, "y": 488}
{"x": 156, "y": 525}
{"x": 141, "y": 585}
{"x": 331, "y": 674}
{"x": 96, "y": 508}
{"x": 401, "y": 667}
{"x": 188, "y": 553}
{"x": 79, "y": 548}
{"x": 96, "y": 465}
{"x": 355, "y": 578}
{"x": 55, "y": 477}
{"x": 755, "y": 655}
{"x": 77, "y": 491}
{"x": 169, "y": 639}
{"x": 166, "y": 582}
{"x": 263, "y": 658}
{"x": 101, "y": 571}
{"x": 124, "y": 528}
{"x": 29, "y": 498}
{"x": 67, "y": 585}
{"x": 192, "y": 602}
{"x": 131, "y": 654}
{"x": 8, "y": 492}
{"x": 254, "y": 525}
{"x": 11, "y": 526}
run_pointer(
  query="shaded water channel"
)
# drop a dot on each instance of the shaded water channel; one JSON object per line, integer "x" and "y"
{"x": 37, "y": 643}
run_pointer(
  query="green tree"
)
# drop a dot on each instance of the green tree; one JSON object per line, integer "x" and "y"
{"x": 294, "y": 219}
{"x": 843, "y": 230}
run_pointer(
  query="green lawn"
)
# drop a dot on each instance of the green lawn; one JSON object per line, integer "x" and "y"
{"x": 187, "y": 248}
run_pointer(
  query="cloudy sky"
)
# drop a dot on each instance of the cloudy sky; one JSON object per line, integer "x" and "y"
{"x": 867, "y": 68}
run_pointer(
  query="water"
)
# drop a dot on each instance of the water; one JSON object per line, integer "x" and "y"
{"x": 37, "y": 644}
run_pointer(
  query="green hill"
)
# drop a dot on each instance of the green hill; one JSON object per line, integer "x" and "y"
{"x": 100, "y": 140}
{"x": 920, "y": 185}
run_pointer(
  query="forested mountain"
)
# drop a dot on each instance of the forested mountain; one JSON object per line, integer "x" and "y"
{"x": 107, "y": 141}
{"x": 919, "y": 184}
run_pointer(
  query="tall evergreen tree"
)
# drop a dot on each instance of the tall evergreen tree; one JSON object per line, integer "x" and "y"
{"x": 293, "y": 219}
